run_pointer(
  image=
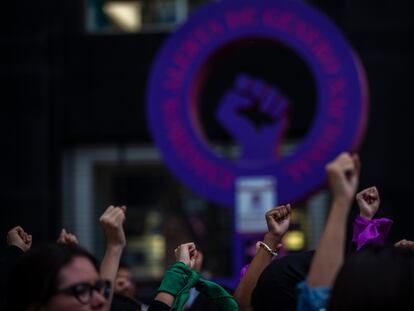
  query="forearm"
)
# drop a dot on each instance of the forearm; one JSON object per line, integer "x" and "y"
{"x": 247, "y": 284}
{"x": 175, "y": 286}
{"x": 165, "y": 298}
{"x": 330, "y": 252}
{"x": 110, "y": 264}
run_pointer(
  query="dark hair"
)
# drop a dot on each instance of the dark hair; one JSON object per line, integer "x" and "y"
{"x": 124, "y": 265}
{"x": 124, "y": 303}
{"x": 375, "y": 278}
{"x": 34, "y": 277}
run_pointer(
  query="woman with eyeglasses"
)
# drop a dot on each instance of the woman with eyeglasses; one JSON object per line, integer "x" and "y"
{"x": 64, "y": 276}
{"x": 57, "y": 277}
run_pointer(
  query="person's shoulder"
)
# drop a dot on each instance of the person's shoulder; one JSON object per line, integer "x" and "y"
{"x": 279, "y": 280}
{"x": 299, "y": 262}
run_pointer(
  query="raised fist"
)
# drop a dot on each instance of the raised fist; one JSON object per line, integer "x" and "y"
{"x": 368, "y": 201}
{"x": 187, "y": 254}
{"x": 18, "y": 237}
{"x": 255, "y": 115}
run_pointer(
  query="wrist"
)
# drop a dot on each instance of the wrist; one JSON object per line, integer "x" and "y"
{"x": 270, "y": 250}
{"x": 186, "y": 263}
{"x": 342, "y": 200}
{"x": 272, "y": 240}
{"x": 21, "y": 247}
{"x": 116, "y": 242}
{"x": 341, "y": 206}
{"x": 115, "y": 248}
{"x": 366, "y": 216}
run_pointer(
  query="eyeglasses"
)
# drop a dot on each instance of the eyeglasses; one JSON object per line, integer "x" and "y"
{"x": 83, "y": 291}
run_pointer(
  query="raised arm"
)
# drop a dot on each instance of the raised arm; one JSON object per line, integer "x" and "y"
{"x": 176, "y": 278}
{"x": 366, "y": 229}
{"x": 112, "y": 224}
{"x": 278, "y": 220}
{"x": 368, "y": 202}
{"x": 343, "y": 177}
{"x": 67, "y": 238}
{"x": 18, "y": 242}
{"x": 19, "y": 238}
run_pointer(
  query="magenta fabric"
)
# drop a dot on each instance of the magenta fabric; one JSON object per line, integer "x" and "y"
{"x": 370, "y": 231}
{"x": 365, "y": 231}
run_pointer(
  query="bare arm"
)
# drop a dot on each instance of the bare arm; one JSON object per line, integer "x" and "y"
{"x": 112, "y": 223}
{"x": 343, "y": 174}
{"x": 278, "y": 220}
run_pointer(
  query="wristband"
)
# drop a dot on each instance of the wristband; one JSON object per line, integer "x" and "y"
{"x": 268, "y": 249}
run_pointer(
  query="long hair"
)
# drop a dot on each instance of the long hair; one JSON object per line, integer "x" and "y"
{"x": 375, "y": 278}
{"x": 34, "y": 277}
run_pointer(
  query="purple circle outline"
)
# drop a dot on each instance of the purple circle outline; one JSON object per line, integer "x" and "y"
{"x": 179, "y": 70}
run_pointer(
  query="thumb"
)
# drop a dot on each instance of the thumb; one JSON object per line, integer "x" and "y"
{"x": 61, "y": 235}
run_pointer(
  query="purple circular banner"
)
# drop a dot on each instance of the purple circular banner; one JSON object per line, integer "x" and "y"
{"x": 181, "y": 69}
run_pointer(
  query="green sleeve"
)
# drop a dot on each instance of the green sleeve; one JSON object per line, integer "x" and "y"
{"x": 177, "y": 281}
{"x": 218, "y": 295}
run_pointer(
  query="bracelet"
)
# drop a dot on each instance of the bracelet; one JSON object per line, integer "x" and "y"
{"x": 268, "y": 249}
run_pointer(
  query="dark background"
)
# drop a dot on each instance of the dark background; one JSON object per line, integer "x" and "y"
{"x": 61, "y": 86}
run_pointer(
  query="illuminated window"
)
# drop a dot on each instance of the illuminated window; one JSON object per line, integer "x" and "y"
{"x": 120, "y": 16}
